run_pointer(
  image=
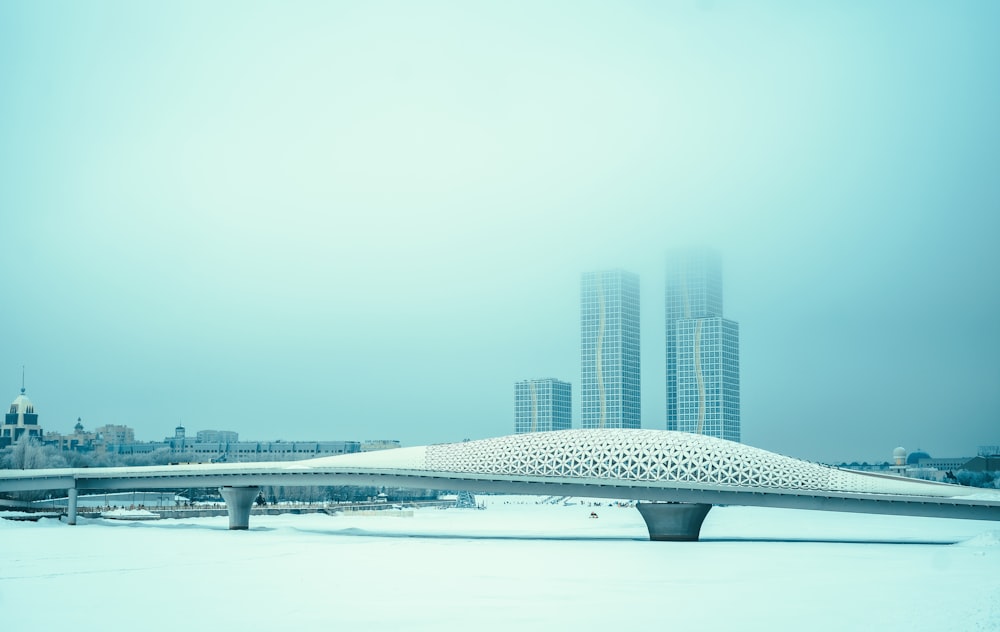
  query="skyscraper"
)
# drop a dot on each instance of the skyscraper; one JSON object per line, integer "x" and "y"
{"x": 609, "y": 350}
{"x": 541, "y": 405}
{"x": 703, "y": 357}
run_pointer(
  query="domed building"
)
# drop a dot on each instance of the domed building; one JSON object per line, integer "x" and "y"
{"x": 21, "y": 419}
{"x": 914, "y": 457}
{"x": 899, "y": 456}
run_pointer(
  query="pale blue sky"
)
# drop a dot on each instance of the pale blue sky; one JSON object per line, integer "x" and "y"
{"x": 367, "y": 220}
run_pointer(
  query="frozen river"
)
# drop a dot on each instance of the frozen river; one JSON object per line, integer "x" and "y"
{"x": 518, "y": 565}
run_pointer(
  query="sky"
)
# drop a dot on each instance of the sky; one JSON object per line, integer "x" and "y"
{"x": 367, "y": 220}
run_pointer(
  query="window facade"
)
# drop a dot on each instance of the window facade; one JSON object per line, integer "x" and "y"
{"x": 708, "y": 377}
{"x": 609, "y": 350}
{"x": 703, "y": 364}
{"x": 542, "y": 405}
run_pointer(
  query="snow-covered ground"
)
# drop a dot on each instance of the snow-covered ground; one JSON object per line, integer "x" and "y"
{"x": 517, "y": 566}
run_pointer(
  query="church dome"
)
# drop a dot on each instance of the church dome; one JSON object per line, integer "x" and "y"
{"x": 914, "y": 457}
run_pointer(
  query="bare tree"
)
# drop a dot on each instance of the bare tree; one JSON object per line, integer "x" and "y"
{"x": 28, "y": 454}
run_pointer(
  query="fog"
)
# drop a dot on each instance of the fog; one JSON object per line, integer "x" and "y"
{"x": 368, "y": 220}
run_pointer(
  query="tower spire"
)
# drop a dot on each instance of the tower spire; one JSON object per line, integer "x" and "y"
{"x": 22, "y": 379}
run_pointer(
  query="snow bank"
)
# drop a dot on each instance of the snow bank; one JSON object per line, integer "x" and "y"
{"x": 129, "y": 514}
{"x": 987, "y": 538}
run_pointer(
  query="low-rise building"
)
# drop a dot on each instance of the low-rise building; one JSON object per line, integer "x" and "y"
{"x": 236, "y": 451}
{"x": 372, "y": 445}
{"x": 79, "y": 441}
{"x": 114, "y": 433}
{"x": 217, "y": 436}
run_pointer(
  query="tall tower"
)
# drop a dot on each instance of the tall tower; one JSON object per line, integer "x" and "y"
{"x": 703, "y": 356}
{"x": 21, "y": 419}
{"x": 609, "y": 350}
{"x": 541, "y": 405}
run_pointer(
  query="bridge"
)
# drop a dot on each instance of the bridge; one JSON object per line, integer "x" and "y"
{"x": 678, "y": 475}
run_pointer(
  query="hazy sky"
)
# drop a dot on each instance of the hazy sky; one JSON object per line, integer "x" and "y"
{"x": 366, "y": 220}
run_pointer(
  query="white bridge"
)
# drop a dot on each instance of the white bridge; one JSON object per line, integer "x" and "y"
{"x": 681, "y": 475}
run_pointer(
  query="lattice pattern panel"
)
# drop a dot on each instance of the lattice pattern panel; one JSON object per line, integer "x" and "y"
{"x": 652, "y": 455}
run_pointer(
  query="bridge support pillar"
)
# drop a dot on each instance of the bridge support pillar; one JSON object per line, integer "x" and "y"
{"x": 674, "y": 522}
{"x": 71, "y": 505}
{"x": 239, "y": 500}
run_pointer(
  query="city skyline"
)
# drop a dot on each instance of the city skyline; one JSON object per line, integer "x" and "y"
{"x": 327, "y": 221}
{"x": 552, "y": 404}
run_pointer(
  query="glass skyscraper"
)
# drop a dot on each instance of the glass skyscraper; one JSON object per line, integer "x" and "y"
{"x": 541, "y": 405}
{"x": 703, "y": 356}
{"x": 609, "y": 346}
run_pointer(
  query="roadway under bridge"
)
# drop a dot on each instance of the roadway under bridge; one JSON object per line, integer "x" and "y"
{"x": 679, "y": 476}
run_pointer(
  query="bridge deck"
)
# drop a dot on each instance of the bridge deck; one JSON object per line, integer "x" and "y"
{"x": 289, "y": 474}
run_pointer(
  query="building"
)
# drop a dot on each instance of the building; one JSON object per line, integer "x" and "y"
{"x": 179, "y": 442}
{"x": 373, "y": 445}
{"x": 21, "y": 419}
{"x": 184, "y": 448}
{"x": 609, "y": 350}
{"x": 703, "y": 357}
{"x": 217, "y": 436}
{"x": 983, "y": 463}
{"x": 542, "y": 405}
{"x": 988, "y": 460}
{"x": 116, "y": 433}
{"x": 253, "y": 451}
{"x": 920, "y": 464}
{"x": 79, "y": 441}
{"x": 208, "y": 446}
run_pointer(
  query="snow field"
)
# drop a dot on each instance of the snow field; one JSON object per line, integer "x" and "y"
{"x": 517, "y": 565}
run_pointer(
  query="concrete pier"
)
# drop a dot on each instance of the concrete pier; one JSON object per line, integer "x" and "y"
{"x": 71, "y": 505}
{"x": 673, "y": 522}
{"x": 239, "y": 501}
